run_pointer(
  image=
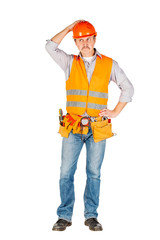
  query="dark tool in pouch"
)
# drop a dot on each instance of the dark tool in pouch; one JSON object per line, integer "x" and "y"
{"x": 61, "y": 117}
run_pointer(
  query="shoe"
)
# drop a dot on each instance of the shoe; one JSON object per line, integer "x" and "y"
{"x": 93, "y": 224}
{"x": 61, "y": 225}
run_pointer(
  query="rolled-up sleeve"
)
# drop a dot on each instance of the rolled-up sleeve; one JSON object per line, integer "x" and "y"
{"x": 58, "y": 55}
{"x": 119, "y": 77}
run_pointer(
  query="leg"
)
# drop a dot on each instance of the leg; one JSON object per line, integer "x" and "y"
{"x": 95, "y": 155}
{"x": 71, "y": 148}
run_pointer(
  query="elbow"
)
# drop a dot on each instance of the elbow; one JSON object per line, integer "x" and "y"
{"x": 51, "y": 46}
{"x": 127, "y": 94}
{"x": 131, "y": 90}
{"x": 46, "y": 46}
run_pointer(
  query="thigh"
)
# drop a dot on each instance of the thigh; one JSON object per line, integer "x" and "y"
{"x": 71, "y": 148}
{"x": 95, "y": 155}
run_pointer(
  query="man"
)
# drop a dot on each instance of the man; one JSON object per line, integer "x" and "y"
{"x": 87, "y": 78}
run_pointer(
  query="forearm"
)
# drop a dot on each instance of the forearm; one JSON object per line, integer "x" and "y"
{"x": 119, "y": 107}
{"x": 59, "y": 36}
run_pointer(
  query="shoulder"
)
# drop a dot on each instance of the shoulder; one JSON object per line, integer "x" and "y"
{"x": 105, "y": 57}
{"x": 107, "y": 61}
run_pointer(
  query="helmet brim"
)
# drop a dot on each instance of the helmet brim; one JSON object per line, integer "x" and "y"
{"x": 88, "y": 35}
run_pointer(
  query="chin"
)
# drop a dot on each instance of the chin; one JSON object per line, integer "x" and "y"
{"x": 86, "y": 51}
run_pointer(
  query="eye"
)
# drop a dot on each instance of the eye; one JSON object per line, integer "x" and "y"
{"x": 88, "y": 39}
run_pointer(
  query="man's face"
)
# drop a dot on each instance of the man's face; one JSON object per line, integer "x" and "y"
{"x": 86, "y": 45}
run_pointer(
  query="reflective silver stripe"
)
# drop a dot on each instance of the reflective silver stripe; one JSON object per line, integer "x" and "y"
{"x": 98, "y": 94}
{"x": 96, "y": 106}
{"x": 76, "y": 104}
{"x": 84, "y": 93}
{"x": 77, "y": 92}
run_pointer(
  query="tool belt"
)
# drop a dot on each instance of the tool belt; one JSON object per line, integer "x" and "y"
{"x": 101, "y": 126}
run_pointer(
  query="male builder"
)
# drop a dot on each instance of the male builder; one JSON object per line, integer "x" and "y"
{"x": 87, "y": 77}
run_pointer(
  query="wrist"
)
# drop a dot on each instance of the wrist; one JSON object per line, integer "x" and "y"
{"x": 68, "y": 29}
{"x": 115, "y": 111}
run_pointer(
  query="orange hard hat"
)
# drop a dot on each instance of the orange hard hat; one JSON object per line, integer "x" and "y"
{"x": 83, "y": 29}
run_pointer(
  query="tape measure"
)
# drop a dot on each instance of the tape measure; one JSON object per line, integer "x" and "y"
{"x": 85, "y": 121}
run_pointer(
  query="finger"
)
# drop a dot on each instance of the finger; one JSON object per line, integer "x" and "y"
{"x": 103, "y": 114}
{"x": 103, "y": 110}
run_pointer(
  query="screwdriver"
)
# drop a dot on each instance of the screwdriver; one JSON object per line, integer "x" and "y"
{"x": 61, "y": 117}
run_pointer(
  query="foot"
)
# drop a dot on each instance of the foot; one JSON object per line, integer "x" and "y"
{"x": 61, "y": 225}
{"x": 93, "y": 224}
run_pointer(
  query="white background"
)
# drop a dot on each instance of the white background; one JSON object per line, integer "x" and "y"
{"x": 32, "y": 89}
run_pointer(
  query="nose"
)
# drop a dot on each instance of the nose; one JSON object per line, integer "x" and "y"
{"x": 85, "y": 42}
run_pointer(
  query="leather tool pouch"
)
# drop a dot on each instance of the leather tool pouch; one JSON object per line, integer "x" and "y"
{"x": 101, "y": 130}
{"x": 63, "y": 131}
{"x": 69, "y": 124}
{"x": 65, "y": 127}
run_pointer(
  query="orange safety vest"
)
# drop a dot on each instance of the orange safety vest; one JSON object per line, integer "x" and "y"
{"x": 82, "y": 96}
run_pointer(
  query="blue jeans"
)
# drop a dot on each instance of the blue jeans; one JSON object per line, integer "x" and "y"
{"x": 71, "y": 148}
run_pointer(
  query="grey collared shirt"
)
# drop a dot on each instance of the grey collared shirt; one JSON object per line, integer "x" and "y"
{"x": 118, "y": 76}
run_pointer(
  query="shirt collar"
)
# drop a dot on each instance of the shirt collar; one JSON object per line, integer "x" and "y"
{"x": 96, "y": 54}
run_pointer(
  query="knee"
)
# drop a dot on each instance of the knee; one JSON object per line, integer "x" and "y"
{"x": 93, "y": 172}
{"x": 67, "y": 172}
{"x": 64, "y": 173}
